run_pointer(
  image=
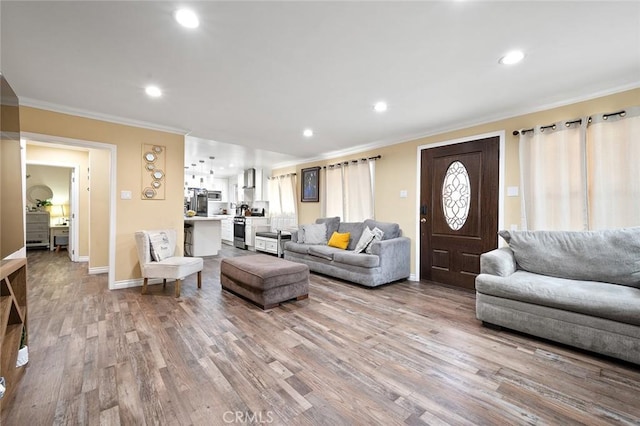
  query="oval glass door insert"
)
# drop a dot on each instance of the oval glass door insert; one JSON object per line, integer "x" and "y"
{"x": 456, "y": 195}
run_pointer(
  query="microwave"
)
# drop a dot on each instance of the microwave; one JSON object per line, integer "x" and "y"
{"x": 214, "y": 195}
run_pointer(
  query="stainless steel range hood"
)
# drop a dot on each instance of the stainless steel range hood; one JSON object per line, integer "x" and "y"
{"x": 249, "y": 179}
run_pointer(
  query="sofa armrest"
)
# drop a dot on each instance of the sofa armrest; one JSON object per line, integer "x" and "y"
{"x": 395, "y": 256}
{"x": 500, "y": 262}
{"x": 294, "y": 235}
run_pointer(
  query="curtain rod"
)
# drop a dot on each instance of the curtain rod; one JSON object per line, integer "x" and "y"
{"x": 569, "y": 123}
{"x": 344, "y": 163}
{"x": 281, "y": 176}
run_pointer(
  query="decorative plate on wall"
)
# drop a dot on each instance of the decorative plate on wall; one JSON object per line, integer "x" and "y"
{"x": 39, "y": 192}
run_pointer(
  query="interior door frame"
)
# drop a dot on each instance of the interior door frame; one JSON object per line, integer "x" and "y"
{"x": 501, "y": 184}
{"x": 59, "y": 140}
{"x": 74, "y": 198}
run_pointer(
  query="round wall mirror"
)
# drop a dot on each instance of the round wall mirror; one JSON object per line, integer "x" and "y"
{"x": 39, "y": 192}
{"x": 157, "y": 149}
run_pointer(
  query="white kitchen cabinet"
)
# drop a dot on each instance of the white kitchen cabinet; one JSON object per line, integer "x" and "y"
{"x": 226, "y": 231}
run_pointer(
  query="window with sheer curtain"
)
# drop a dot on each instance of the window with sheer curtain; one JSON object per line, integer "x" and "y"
{"x": 283, "y": 202}
{"x": 582, "y": 174}
{"x": 348, "y": 190}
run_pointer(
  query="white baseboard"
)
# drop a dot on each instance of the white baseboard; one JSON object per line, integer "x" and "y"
{"x": 135, "y": 283}
{"x": 412, "y": 277}
{"x": 99, "y": 270}
{"x": 83, "y": 258}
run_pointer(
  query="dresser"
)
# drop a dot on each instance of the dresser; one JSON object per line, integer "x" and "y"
{"x": 37, "y": 224}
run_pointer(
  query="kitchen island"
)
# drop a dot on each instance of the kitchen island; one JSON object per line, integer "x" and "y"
{"x": 202, "y": 236}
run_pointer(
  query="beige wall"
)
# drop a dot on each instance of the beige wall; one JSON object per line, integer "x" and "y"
{"x": 134, "y": 214}
{"x": 397, "y": 170}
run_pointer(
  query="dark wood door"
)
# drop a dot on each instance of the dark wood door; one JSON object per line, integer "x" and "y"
{"x": 458, "y": 210}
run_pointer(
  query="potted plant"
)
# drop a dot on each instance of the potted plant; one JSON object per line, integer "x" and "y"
{"x": 43, "y": 205}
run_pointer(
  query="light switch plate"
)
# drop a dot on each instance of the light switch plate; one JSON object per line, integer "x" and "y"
{"x": 125, "y": 195}
{"x": 403, "y": 193}
{"x": 512, "y": 191}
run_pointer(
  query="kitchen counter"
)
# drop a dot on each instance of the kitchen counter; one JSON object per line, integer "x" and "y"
{"x": 204, "y": 238}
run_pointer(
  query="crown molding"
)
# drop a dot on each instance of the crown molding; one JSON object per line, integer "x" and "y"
{"x": 63, "y": 109}
{"x": 464, "y": 125}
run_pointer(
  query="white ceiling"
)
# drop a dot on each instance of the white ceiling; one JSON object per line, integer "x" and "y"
{"x": 255, "y": 74}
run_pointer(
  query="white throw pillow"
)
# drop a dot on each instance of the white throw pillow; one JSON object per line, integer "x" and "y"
{"x": 315, "y": 233}
{"x": 301, "y": 234}
{"x": 377, "y": 236}
{"x": 160, "y": 247}
{"x": 365, "y": 239}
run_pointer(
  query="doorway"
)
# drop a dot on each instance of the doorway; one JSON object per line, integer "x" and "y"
{"x": 96, "y": 216}
{"x": 459, "y": 209}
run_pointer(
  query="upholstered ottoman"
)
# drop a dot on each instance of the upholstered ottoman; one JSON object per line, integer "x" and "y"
{"x": 265, "y": 280}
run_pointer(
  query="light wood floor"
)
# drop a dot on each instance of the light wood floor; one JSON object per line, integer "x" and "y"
{"x": 409, "y": 353}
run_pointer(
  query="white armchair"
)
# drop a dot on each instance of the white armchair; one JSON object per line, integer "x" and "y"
{"x": 156, "y": 254}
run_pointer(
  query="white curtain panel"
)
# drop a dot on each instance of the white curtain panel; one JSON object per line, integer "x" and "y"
{"x": 275, "y": 207}
{"x": 613, "y": 151}
{"x": 333, "y": 192}
{"x": 553, "y": 179}
{"x": 288, "y": 195}
{"x": 358, "y": 191}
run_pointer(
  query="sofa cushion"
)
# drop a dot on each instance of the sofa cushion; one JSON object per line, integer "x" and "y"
{"x": 339, "y": 240}
{"x": 332, "y": 224}
{"x": 315, "y": 233}
{"x": 391, "y": 230}
{"x": 322, "y": 251}
{"x": 615, "y": 302}
{"x": 357, "y": 259}
{"x": 610, "y": 256}
{"x": 353, "y": 228}
{"x": 297, "y": 247}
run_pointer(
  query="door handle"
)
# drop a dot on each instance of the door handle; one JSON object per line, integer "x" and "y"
{"x": 423, "y": 220}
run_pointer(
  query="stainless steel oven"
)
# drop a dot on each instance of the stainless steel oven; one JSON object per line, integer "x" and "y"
{"x": 239, "y": 235}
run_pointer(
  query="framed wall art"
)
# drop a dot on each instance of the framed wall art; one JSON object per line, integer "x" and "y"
{"x": 311, "y": 185}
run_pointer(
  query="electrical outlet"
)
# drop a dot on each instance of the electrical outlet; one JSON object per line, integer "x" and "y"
{"x": 403, "y": 193}
{"x": 125, "y": 195}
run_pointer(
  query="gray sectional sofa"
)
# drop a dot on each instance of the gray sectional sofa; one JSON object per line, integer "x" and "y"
{"x": 577, "y": 288}
{"x": 389, "y": 259}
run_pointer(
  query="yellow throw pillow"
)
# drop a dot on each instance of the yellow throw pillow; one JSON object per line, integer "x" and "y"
{"x": 339, "y": 240}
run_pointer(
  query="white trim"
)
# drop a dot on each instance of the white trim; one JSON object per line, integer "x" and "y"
{"x": 99, "y": 270}
{"x": 136, "y": 282}
{"x": 35, "y": 103}
{"x": 501, "y": 184}
{"x": 84, "y": 259}
{"x": 459, "y": 126}
{"x": 112, "y": 189}
{"x": 412, "y": 277}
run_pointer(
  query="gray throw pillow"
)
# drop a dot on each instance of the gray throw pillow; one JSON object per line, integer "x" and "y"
{"x": 610, "y": 256}
{"x": 315, "y": 233}
{"x": 366, "y": 237}
{"x": 377, "y": 236}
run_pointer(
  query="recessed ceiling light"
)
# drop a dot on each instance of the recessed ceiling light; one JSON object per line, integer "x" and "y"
{"x": 187, "y": 18}
{"x": 512, "y": 57}
{"x": 153, "y": 91}
{"x": 380, "y": 106}
{"x": 307, "y": 133}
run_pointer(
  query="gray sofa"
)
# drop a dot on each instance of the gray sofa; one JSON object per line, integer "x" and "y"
{"x": 577, "y": 288}
{"x": 389, "y": 259}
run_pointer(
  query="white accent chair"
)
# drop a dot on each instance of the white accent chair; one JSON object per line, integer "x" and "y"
{"x": 171, "y": 267}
